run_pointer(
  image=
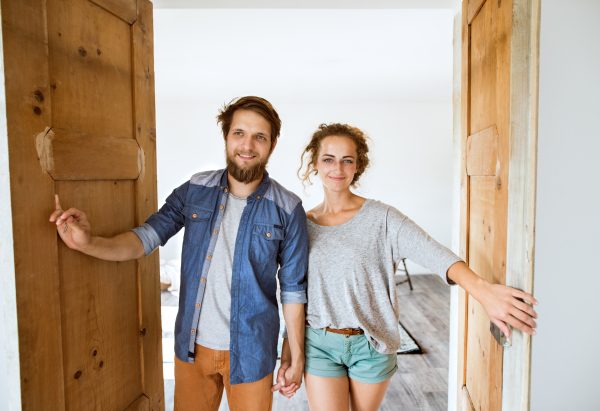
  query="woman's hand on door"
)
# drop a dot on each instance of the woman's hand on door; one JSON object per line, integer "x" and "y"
{"x": 503, "y": 305}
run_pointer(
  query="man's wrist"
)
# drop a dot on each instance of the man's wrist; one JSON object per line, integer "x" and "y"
{"x": 89, "y": 247}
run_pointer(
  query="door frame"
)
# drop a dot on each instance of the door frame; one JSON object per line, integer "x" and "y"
{"x": 521, "y": 217}
{"x": 524, "y": 87}
{"x": 9, "y": 335}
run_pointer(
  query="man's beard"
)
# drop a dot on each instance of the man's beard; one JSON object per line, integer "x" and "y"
{"x": 243, "y": 175}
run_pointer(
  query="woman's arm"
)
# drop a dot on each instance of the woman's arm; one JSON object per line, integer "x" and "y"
{"x": 501, "y": 303}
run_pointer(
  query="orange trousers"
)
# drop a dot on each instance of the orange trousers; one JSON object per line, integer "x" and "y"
{"x": 199, "y": 386}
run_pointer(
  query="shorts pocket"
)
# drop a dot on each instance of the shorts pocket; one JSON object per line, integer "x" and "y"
{"x": 196, "y": 223}
{"x": 264, "y": 243}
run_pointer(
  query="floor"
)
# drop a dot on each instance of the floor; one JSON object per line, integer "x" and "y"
{"x": 421, "y": 383}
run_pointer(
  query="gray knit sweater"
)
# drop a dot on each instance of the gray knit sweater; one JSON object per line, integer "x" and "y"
{"x": 351, "y": 270}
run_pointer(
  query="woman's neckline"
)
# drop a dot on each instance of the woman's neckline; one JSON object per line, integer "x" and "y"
{"x": 310, "y": 222}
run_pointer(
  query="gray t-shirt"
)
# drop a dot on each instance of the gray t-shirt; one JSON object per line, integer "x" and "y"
{"x": 213, "y": 324}
{"x": 351, "y": 270}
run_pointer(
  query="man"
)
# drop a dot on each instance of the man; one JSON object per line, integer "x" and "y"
{"x": 241, "y": 230}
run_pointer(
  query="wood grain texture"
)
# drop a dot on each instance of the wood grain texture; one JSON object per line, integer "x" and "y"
{"x": 90, "y": 69}
{"x": 466, "y": 403}
{"x": 474, "y": 6}
{"x": 84, "y": 156}
{"x": 124, "y": 9}
{"x": 484, "y": 355}
{"x": 98, "y": 304}
{"x": 482, "y": 153}
{"x": 8, "y": 291}
{"x": 522, "y": 185}
{"x": 28, "y": 112}
{"x": 148, "y": 268}
{"x": 487, "y": 89}
{"x": 141, "y": 404}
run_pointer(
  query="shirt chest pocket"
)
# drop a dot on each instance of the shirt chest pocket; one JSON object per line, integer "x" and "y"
{"x": 196, "y": 223}
{"x": 265, "y": 242}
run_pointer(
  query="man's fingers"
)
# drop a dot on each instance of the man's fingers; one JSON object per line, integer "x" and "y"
{"x": 56, "y": 202}
{"x": 55, "y": 215}
{"x": 290, "y": 388}
{"x": 75, "y": 213}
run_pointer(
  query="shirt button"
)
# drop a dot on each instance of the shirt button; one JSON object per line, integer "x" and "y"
{"x": 220, "y": 207}
{"x": 193, "y": 331}
{"x": 194, "y": 215}
{"x": 203, "y": 280}
{"x": 268, "y": 234}
{"x": 209, "y": 256}
{"x": 197, "y": 305}
{"x": 215, "y": 232}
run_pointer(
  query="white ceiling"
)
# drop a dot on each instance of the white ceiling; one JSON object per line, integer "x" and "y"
{"x": 306, "y": 4}
{"x": 304, "y": 55}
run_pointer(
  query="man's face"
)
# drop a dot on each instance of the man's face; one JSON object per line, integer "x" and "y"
{"x": 248, "y": 146}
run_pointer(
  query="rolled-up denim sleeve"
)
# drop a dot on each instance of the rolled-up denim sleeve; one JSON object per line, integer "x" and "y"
{"x": 165, "y": 223}
{"x": 293, "y": 259}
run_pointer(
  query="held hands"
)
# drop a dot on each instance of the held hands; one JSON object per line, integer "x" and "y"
{"x": 289, "y": 379}
{"x": 72, "y": 226}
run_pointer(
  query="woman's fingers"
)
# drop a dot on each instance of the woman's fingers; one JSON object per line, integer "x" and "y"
{"x": 523, "y": 317}
{"x": 526, "y": 308}
{"x": 519, "y": 325}
{"x": 57, "y": 202}
{"x": 523, "y": 295}
{"x": 503, "y": 327}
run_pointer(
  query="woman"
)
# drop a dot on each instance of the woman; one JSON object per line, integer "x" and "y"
{"x": 355, "y": 245}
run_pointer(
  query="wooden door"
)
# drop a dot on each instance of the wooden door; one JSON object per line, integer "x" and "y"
{"x": 498, "y": 123}
{"x": 81, "y": 123}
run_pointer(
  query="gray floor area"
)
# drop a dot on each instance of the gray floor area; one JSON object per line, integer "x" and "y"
{"x": 421, "y": 381}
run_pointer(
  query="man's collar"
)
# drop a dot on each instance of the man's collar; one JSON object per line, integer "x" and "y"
{"x": 260, "y": 190}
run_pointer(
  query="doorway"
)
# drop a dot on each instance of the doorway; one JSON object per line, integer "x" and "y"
{"x": 388, "y": 72}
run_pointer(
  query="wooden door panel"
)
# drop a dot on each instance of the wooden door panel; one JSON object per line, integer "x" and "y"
{"x": 485, "y": 160}
{"x": 499, "y": 72}
{"x": 81, "y": 123}
{"x": 106, "y": 157}
{"x": 484, "y": 355}
{"x": 124, "y": 9}
{"x": 100, "y": 304}
{"x": 482, "y": 69}
{"x": 90, "y": 69}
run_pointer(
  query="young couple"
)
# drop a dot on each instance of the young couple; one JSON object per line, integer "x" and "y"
{"x": 335, "y": 266}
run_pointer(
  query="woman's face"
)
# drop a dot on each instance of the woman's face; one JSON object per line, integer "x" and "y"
{"x": 336, "y": 162}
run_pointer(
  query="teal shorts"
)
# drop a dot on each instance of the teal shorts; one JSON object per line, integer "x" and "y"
{"x": 335, "y": 355}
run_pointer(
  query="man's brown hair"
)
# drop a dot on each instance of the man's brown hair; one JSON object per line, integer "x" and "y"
{"x": 251, "y": 103}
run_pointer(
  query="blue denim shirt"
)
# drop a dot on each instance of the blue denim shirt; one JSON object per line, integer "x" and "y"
{"x": 272, "y": 240}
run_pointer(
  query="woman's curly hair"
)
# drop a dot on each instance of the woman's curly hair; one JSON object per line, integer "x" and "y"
{"x": 311, "y": 151}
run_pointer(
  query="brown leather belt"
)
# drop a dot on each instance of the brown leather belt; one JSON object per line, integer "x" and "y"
{"x": 345, "y": 331}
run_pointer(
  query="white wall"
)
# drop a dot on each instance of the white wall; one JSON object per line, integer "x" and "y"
{"x": 411, "y": 154}
{"x": 565, "y": 358}
{"x": 388, "y": 72}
